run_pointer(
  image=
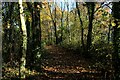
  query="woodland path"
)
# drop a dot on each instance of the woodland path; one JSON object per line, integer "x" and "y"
{"x": 62, "y": 64}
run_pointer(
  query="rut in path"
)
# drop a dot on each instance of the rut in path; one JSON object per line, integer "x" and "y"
{"x": 61, "y": 64}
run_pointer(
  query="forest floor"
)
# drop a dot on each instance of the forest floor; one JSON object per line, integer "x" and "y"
{"x": 59, "y": 63}
{"x": 63, "y": 64}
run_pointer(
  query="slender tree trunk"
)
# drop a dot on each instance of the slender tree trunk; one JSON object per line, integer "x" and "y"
{"x": 48, "y": 36}
{"x": 51, "y": 35}
{"x": 32, "y": 43}
{"x": 40, "y": 31}
{"x": 90, "y": 7}
{"x": 24, "y": 37}
{"x": 37, "y": 7}
{"x": 20, "y": 51}
{"x": 75, "y": 21}
{"x": 54, "y": 23}
{"x": 28, "y": 43}
{"x": 82, "y": 30}
{"x": 55, "y": 26}
{"x": 11, "y": 31}
{"x": 62, "y": 24}
{"x": 38, "y": 24}
{"x": 62, "y": 21}
{"x": 67, "y": 23}
{"x": 109, "y": 32}
{"x": 33, "y": 39}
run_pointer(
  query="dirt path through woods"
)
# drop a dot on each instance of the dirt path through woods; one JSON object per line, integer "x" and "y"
{"x": 62, "y": 64}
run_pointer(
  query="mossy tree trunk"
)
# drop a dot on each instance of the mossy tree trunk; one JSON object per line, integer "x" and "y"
{"x": 24, "y": 42}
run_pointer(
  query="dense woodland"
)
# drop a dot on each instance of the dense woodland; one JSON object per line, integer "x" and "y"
{"x": 61, "y": 40}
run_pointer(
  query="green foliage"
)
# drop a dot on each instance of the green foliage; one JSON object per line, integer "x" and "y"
{"x": 68, "y": 30}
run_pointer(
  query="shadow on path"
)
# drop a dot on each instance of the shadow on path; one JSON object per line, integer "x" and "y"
{"x": 61, "y": 64}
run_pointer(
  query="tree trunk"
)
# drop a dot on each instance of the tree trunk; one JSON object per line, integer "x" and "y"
{"x": 32, "y": 43}
{"x": 67, "y": 23}
{"x": 37, "y": 24}
{"x": 54, "y": 23}
{"x": 90, "y": 7}
{"x": 62, "y": 21}
{"x": 55, "y": 26}
{"x": 24, "y": 37}
{"x": 115, "y": 55}
{"x": 8, "y": 20}
{"x": 28, "y": 43}
{"x": 109, "y": 32}
{"x": 116, "y": 40}
{"x": 82, "y": 30}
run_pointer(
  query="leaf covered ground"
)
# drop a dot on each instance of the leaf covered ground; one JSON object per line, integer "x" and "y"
{"x": 62, "y": 64}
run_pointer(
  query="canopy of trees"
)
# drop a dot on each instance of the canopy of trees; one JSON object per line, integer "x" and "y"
{"x": 61, "y": 40}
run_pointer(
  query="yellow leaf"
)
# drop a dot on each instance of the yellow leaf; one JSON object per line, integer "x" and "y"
{"x": 113, "y": 24}
{"x": 119, "y": 26}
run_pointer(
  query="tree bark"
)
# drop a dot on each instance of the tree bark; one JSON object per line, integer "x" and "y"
{"x": 116, "y": 40}
{"x": 109, "y": 31}
{"x": 90, "y": 7}
{"x": 28, "y": 43}
{"x": 62, "y": 22}
{"x": 67, "y": 23}
{"x": 55, "y": 26}
{"x": 82, "y": 30}
{"x": 32, "y": 43}
{"x": 37, "y": 24}
{"x": 54, "y": 23}
{"x": 115, "y": 55}
{"x": 24, "y": 43}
